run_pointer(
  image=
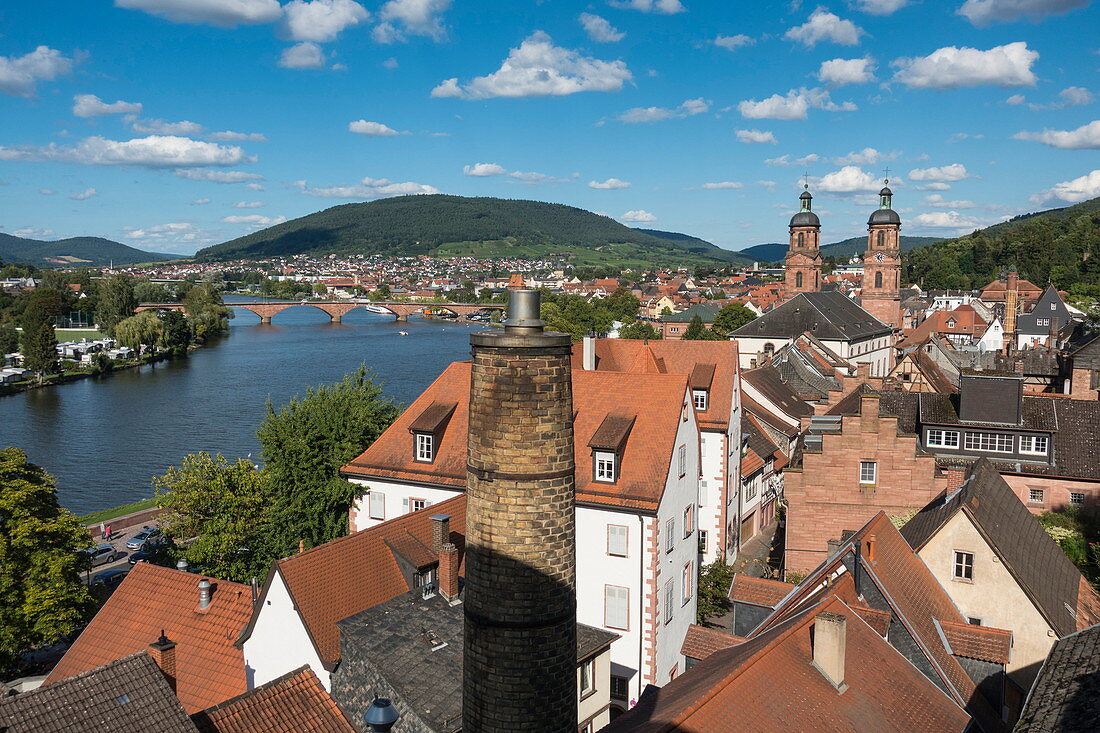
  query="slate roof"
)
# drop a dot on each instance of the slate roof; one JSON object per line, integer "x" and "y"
{"x": 766, "y": 380}
{"x": 700, "y": 642}
{"x": 654, "y": 400}
{"x": 1044, "y": 573}
{"x": 209, "y": 668}
{"x": 128, "y": 694}
{"x": 296, "y": 702}
{"x": 423, "y": 669}
{"x": 758, "y": 591}
{"x": 331, "y": 582}
{"x": 828, "y": 316}
{"x": 705, "y": 311}
{"x": 1065, "y": 697}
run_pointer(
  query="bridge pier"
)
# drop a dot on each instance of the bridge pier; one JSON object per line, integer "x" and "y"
{"x": 265, "y": 319}
{"x": 402, "y": 317}
{"x": 335, "y": 319}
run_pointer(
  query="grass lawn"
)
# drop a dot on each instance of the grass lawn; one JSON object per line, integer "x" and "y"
{"x": 118, "y": 511}
{"x": 74, "y": 334}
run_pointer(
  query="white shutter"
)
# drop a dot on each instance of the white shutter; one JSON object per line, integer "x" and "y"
{"x": 616, "y": 539}
{"x": 377, "y": 505}
{"x": 670, "y": 599}
{"x": 405, "y": 505}
{"x": 616, "y": 606}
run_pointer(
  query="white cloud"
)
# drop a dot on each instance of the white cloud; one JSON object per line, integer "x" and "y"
{"x": 46, "y": 191}
{"x": 600, "y": 29}
{"x": 792, "y": 106}
{"x": 952, "y": 67}
{"x": 198, "y": 202}
{"x": 33, "y": 233}
{"x": 766, "y": 184}
{"x": 254, "y": 220}
{"x": 1016, "y": 99}
{"x": 610, "y": 183}
{"x": 84, "y": 195}
{"x": 881, "y": 7}
{"x": 1074, "y": 96}
{"x": 230, "y": 136}
{"x": 939, "y": 202}
{"x": 89, "y": 105}
{"x": 532, "y": 178}
{"x": 788, "y": 160}
{"x": 724, "y": 185}
{"x": 176, "y": 232}
{"x": 1085, "y": 137}
{"x": 1079, "y": 189}
{"x": 948, "y": 220}
{"x": 934, "y": 186}
{"x": 638, "y": 215}
{"x": 987, "y": 12}
{"x": 849, "y": 179}
{"x": 953, "y": 172}
{"x": 248, "y": 204}
{"x": 390, "y": 63}
{"x": 401, "y": 18}
{"x": 154, "y": 151}
{"x": 655, "y": 114}
{"x": 226, "y": 13}
{"x": 304, "y": 55}
{"x": 371, "y": 129}
{"x": 20, "y": 74}
{"x": 838, "y": 72}
{"x": 193, "y": 174}
{"x": 163, "y": 127}
{"x": 825, "y": 26}
{"x": 368, "y": 188}
{"x": 483, "y": 170}
{"x": 539, "y": 68}
{"x": 867, "y": 156}
{"x": 732, "y": 43}
{"x": 255, "y": 186}
{"x": 756, "y": 136}
{"x": 664, "y": 7}
{"x": 321, "y": 20}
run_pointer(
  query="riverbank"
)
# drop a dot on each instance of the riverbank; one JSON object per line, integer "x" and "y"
{"x": 75, "y": 375}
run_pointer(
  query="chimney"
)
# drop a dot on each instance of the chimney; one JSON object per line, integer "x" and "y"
{"x": 870, "y": 549}
{"x": 520, "y": 639}
{"x": 1012, "y": 300}
{"x": 868, "y": 413}
{"x": 163, "y": 653}
{"x": 448, "y": 571}
{"x": 204, "y": 594}
{"x": 301, "y": 546}
{"x": 857, "y": 567}
{"x": 588, "y": 361}
{"x": 827, "y": 640}
{"x": 441, "y": 531}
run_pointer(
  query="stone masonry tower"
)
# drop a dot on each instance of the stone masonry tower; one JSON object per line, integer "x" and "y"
{"x": 881, "y": 296}
{"x": 804, "y": 252}
{"x": 520, "y": 656}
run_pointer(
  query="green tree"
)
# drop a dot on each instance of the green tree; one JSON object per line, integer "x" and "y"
{"x": 40, "y": 563}
{"x": 176, "y": 332}
{"x": 137, "y": 332}
{"x": 219, "y": 508}
{"x": 206, "y": 313}
{"x": 147, "y": 292}
{"x": 116, "y": 302}
{"x": 714, "y": 587}
{"x": 639, "y": 330}
{"x": 304, "y": 445}
{"x": 9, "y": 340}
{"x": 39, "y": 341}
{"x": 698, "y": 331}
{"x": 732, "y": 317}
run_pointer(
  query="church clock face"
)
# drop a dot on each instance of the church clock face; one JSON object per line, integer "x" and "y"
{"x": 880, "y": 257}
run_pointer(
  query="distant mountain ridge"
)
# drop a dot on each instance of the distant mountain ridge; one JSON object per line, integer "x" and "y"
{"x": 74, "y": 252}
{"x": 449, "y": 226}
{"x": 775, "y": 252}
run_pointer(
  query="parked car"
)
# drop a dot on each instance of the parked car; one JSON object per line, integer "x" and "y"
{"x": 111, "y": 578}
{"x": 150, "y": 535}
{"x": 102, "y": 554}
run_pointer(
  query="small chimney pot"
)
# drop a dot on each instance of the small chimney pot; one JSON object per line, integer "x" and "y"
{"x": 448, "y": 571}
{"x": 204, "y": 594}
{"x": 828, "y": 642}
{"x": 441, "y": 531}
{"x": 163, "y": 652}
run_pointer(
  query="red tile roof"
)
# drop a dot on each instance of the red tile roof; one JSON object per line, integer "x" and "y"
{"x": 700, "y": 642}
{"x": 341, "y": 578}
{"x": 977, "y": 642}
{"x": 293, "y": 703}
{"x": 209, "y": 668}
{"x": 655, "y": 400}
{"x": 758, "y": 591}
{"x": 750, "y": 462}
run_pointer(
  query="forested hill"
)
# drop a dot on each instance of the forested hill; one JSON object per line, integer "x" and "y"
{"x": 1060, "y": 245}
{"x": 842, "y": 249}
{"x": 444, "y": 225}
{"x": 701, "y": 246}
{"x": 73, "y": 252}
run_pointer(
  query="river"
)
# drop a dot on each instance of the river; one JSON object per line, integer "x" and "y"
{"x": 104, "y": 439}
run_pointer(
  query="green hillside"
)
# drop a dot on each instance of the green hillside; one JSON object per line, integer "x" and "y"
{"x": 700, "y": 246}
{"x": 771, "y": 252}
{"x": 444, "y": 225}
{"x": 843, "y": 249}
{"x": 73, "y": 252}
{"x": 1059, "y": 245}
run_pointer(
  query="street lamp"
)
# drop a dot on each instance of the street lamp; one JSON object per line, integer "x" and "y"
{"x": 381, "y": 715}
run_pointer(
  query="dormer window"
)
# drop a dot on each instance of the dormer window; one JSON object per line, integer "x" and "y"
{"x": 605, "y": 466}
{"x": 608, "y": 444}
{"x": 425, "y": 447}
{"x": 700, "y": 398}
{"x": 700, "y": 381}
{"x": 428, "y": 428}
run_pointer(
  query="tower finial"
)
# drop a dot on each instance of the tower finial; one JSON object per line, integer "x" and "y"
{"x": 886, "y": 176}
{"x": 806, "y": 181}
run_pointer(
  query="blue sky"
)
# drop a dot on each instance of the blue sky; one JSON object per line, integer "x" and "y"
{"x": 173, "y": 124}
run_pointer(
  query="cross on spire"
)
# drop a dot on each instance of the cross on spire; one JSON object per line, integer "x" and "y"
{"x": 806, "y": 180}
{"x": 886, "y": 178}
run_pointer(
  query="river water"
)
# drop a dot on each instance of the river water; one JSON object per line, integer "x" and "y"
{"x": 104, "y": 439}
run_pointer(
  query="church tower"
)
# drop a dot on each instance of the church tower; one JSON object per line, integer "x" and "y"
{"x": 882, "y": 263}
{"x": 804, "y": 251}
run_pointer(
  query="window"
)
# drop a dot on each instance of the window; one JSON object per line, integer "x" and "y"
{"x": 588, "y": 677}
{"x": 425, "y": 581}
{"x": 1042, "y": 321}
{"x": 686, "y": 584}
{"x": 689, "y": 520}
{"x": 616, "y": 607}
{"x": 377, "y": 505}
{"x": 798, "y": 279}
{"x": 674, "y": 672}
{"x": 617, "y": 540}
{"x": 1035, "y": 496}
{"x": 964, "y": 565}
{"x": 620, "y": 687}
{"x": 670, "y": 534}
{"x": 670, "y": 598}
{"x": 1034, "y": 444}
{"x": 868, "y": 472}
{"x": 801, "y": 238}
{"x": 425, "y": 448}
{"x": 878, "y": 278}
{"x": 683, "y": 460}
{"x": 943, "y": 439}
{"x": 605, "y": 466}
{"x": 1076, "y": 499}
{"x": 1054, "y": 306}
{"x": 881, "y": 238}
{"x": 418, "y": 504}
{"x": 750, "y": 491}
{"x": 699, "y": 397}
{"x": 992, "y": 442}
{"x": 973, "y": 621}
{"x": 703, "y": 540}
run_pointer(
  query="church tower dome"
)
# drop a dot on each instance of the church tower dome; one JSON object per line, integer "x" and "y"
{"x": 803, "y": 261}
{"x": 881, "y": 292}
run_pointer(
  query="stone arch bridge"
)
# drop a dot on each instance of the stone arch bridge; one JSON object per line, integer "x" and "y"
{"x": 337, "y": 309}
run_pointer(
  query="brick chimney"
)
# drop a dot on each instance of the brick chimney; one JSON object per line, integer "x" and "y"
{"x": 828, "y": 642}
{"x": 163, "y": 653}
{"x": 448, "y": 571}
{"x": 868, "y": 413}
{"x": 441, "y": 531}
{"x": 520, "y": 645}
